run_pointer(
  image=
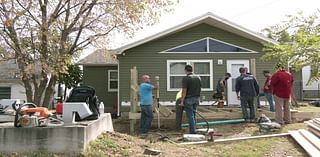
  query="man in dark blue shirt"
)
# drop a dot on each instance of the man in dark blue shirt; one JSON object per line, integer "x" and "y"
{"x": 247, "y": 89}
{"x": 190, "y": 99}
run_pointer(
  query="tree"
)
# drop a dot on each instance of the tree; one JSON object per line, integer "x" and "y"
{"x": 71, "y": 78}
{"x": 44, "y": 36}
{"x": 299, "y": 43}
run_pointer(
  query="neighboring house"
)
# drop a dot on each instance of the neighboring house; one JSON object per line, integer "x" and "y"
{"x": 100, "y": 70}
{"x": 211, "y": 44}
{"x": 11, "y": 87}
{"x": 311, "y": 90}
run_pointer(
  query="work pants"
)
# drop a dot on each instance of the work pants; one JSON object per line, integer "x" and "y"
{"x": 146, "y": 118}
{"x": 247, "y": 102}
{"x": 190, "y": 106}
{"x": 283, "y": 115}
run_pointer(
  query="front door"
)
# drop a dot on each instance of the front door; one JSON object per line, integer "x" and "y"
{"x": 233, "y": 68}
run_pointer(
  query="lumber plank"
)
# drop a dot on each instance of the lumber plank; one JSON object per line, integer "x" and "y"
{"x": 250, "y": 137}
{"x": 314, "y": 126}
{"x": 314, "y": 140}
{"x": 314, "y": 121}
{"x": 196, "y": 142}
{"x": 315, "y": 132}
{"x": 305, "y": 144}
{"x": 317, "y": 120}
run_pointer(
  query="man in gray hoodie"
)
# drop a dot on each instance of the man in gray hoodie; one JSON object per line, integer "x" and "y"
{"x": 247, "y": 89}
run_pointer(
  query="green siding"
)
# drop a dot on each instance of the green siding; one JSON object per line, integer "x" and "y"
{"x": 97, "y": 77}
{"x": 148, "y": 60}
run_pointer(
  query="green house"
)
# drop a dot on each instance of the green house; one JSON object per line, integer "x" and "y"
{"x": 211, "y": 44}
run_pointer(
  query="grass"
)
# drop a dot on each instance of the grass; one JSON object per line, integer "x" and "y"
{"x": 308, "y": 108}
{"x": 104, "y": 146}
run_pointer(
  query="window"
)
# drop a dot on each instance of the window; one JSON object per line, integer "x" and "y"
{"x": 5, "y": 92}
{"x": 112, "y": 80}
{"x": 175, "y": 70}
{"x": 207, "y": 45}
{"x": 197, "y": 46}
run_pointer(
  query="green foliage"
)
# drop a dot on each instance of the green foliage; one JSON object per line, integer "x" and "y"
{"x": 299, "y": 43}
{"x": 72, "y": 77}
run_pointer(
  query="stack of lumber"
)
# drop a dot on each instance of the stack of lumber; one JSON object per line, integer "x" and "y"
{"x": 309, "y": 139}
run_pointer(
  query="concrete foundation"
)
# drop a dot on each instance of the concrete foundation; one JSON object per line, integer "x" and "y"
{"x": 64, "y": 139}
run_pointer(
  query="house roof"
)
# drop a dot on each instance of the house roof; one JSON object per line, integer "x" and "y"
{"x": 9, "y": 70}
{"x": 100, "y": 57}
{"x": 210, "y": 19}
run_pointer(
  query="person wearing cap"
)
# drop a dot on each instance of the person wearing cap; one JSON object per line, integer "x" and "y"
{"x": 190, "y": 99}
{"x": 146, "y": 102}
{"x": 281, "y": 83}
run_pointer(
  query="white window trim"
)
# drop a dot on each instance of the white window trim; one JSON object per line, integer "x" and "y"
{"x": 208, "y": 38}
{"x": 188, "y": 61}
{"x": 109, "y": 79}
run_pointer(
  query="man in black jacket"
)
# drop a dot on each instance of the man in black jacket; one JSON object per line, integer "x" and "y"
{"x": 247, "y": 89}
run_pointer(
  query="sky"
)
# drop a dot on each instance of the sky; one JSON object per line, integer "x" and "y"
{"x": 251, "y": 14}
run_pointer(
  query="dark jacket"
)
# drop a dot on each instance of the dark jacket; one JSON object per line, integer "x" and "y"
{"x": 247, "y": 85}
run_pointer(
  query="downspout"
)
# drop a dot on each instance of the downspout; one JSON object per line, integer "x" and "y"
{"x": 118, "y": 95}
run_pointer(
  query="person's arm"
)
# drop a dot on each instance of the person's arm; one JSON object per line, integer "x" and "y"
{"x": 238, "y": 87}
{"x": 222, "y": 85}
{"x": 183, "y": 95}
{"x": 256, "y": 85}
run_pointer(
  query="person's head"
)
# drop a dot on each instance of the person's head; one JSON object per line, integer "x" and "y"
{"x": 227, "y": 76}
{"x": 188, "y": 68}
{"x": 242, "y": 70}
{"x": 266, "y": 73}
{"x": 146, "y": 78}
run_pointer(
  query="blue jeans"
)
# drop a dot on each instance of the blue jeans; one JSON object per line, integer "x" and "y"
{"x": 247, "y": 102}
{"x": 269, "y": 97}
{"x": 190, "y": 106}
{"x": 146, "y": 118}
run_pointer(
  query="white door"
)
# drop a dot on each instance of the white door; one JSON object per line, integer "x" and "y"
{"x": 233, "y": 68}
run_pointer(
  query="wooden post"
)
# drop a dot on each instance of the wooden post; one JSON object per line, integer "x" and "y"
{"x": 134, "y": 89}
{"x": 157, "y": 78}
{"x": 253, "y": 66}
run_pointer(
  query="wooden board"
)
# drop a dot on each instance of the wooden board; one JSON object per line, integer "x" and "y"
{"x": 315, "y": 132}
{"x": 250, "y": 137}
{"x": 305, "y": 144}
{"x": 314, "y": 140}
{"x": 313, "y": 126}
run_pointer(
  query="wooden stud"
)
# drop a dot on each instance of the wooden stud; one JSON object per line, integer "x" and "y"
{"x": 250, "y": 137}
{"x": 304, "y": 143}
{"x": 314, "y": 140}
{"x": 133, "y": 96}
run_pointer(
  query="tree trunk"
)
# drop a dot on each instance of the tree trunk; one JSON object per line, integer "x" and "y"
{"x": 28, "y": 89}
{"x": 49, "y": 92}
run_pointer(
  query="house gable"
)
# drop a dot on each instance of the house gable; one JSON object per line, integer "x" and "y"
{"x": 207, "y": 45}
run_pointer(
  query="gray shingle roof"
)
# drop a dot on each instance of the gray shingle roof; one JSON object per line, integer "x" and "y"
{"x": 9, "y": 70}
{"x": 100, "y": 57}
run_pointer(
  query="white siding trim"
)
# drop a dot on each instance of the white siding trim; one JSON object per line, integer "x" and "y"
{"x": 109, "y": 89}
{"x": 208, "y": 48}
{"x": 190, "y": 61}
